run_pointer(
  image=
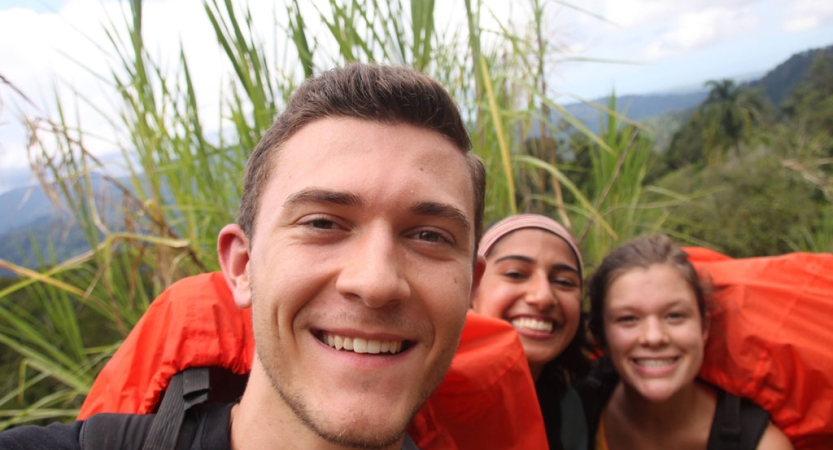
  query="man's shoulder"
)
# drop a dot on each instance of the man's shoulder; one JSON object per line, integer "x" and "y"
{"x": 52, "y": 437}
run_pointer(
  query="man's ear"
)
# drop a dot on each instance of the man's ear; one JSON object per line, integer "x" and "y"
{"x": 477, "y": 275}
{"x": 233, "y": 251}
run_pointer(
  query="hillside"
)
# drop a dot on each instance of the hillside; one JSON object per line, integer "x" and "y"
{"x": 779, "y": 82}
{"x": 637, "y": 107}
{"x": 32, "y": 227}
{"x": 23, "y": 206}
{"x": 776, "y": 84}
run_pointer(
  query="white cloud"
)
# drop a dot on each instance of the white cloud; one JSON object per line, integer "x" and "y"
{"x": 633, "y": 13}
{"x": 807, "y": 15}
{"x": 696, "y": 30}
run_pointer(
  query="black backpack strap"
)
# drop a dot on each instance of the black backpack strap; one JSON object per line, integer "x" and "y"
{"x": 738, "y": 423}
{"x": 187, "y": 388}
{"x": 128, "y": 431}
{"x": 595, "y": 391}
{"x": 122, "y": 431}
{"x": 408, "y": 443}
{"x": 170, "y": 428}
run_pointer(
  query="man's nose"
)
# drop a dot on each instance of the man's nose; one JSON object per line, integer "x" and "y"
{"x": 374, "y": 270}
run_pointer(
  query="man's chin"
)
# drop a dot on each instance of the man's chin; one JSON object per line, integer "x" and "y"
{"x": 368, "y": 420}
{"x": 368, "y": 427}
{"x": 367, "y": 438}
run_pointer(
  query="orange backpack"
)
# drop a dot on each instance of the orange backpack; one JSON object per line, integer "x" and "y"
{"x": 486, "y": 401}
{"x": 770, "y": 338}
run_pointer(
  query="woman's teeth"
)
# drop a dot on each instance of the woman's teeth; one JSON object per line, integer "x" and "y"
{"x": 529, "y": 323}
{"x": 655, "y": 362}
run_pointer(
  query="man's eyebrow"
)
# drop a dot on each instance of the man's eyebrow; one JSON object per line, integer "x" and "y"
{"x": 442, "y": 210}
{"x": 316, "y": 195}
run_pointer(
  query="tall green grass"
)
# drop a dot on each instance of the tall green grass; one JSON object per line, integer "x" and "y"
{"x": 185, "y": 170}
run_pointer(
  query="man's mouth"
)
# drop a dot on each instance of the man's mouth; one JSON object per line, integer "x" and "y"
{"x": 362, "y": 345}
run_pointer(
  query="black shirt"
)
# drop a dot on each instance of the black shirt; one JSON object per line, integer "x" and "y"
{"x": 212, "y": 433}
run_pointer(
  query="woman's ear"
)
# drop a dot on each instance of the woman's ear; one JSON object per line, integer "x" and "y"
{"x": 233, "y": 252}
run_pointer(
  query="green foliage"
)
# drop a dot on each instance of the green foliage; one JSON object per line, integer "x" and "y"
{"x": 780, "y": 83}
{"x": 812, "y": 101}
{"x": 751, "y": 209}
{"x": 728, "y": 117}
{"x": 687, "y": 146}
{"x": 606, "y": 196}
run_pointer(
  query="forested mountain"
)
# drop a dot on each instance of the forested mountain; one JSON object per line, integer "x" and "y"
{"x": 33, "y": 227}
{"x": 779, "y": 82}
{"x": 637, "y": 107}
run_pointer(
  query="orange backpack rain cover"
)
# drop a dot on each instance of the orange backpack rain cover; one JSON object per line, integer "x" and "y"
{"x": 771, "y": 338}
{"x": 486, "y": 401}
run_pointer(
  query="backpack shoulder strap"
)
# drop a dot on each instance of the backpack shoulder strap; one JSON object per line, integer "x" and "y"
{"x": 167, "y": 429}
{"x": 595, "y": 391}
{"x": 110, "y": 430}
{"x": 127, "y": 432}
{"x": 738, "y": 423}
{"x": 188, "y": 388}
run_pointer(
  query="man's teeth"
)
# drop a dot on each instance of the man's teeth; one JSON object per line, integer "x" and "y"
{"x": 655, "y": 362}
{"x": 532, "y": 324}
{"x": 361, "y": 345}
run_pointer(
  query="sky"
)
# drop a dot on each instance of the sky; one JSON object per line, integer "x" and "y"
{"x": 649, "y": 45}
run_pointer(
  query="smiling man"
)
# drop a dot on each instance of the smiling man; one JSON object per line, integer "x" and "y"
{"x": 355, "y": 249}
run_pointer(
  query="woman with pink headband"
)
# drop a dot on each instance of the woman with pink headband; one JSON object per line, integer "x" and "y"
{"x": 533, "y": 280}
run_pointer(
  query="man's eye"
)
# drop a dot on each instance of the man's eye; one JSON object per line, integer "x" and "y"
{"x": 322, "y": 224}
{"x": 429, "y": 236}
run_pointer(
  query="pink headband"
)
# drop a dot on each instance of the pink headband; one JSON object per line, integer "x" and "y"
{"x": 521, "y": 221}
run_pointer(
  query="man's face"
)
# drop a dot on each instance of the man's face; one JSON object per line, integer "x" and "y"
{"x": 364, "y": 239}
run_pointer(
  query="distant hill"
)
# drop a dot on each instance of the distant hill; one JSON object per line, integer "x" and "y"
{"x": 23, "y": 206}
{"x": 637, "y": 107}
{"x": 31, "y": 225}
{"x": 52, "y": 239}
{"x": 779, "y": 82}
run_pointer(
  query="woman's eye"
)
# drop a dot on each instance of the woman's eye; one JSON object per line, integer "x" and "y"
{"x": 677, "y": 315}
{"x": 565, "y": 282}
{"x": 626, "y": 319}
{"x": 514, "y": 275}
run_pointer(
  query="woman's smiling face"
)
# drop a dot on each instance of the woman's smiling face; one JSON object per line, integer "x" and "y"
{"x": 532, "y": 281}
{"x": 654, "y": 331}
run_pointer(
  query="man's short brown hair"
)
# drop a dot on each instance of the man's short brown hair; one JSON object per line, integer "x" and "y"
{"x": 386, "y": 94}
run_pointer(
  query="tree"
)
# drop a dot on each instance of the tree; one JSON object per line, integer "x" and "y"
{"x": 728, "y": 115}
{"x": 812, "y": 100}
